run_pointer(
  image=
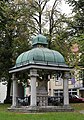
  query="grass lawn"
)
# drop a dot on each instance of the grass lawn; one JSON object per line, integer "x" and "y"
{"x": 6, "y": 115}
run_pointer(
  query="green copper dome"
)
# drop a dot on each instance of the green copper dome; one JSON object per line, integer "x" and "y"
{"x": 40, "y": 54}
{"x": 39, "y": 39}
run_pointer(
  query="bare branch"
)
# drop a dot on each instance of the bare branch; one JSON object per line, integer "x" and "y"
{"x": 44, "y": 5}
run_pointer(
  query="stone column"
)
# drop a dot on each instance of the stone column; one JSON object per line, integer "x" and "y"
{"x": 14, "y": 90}
{"x": 33, "y": 76}
{"x": 65, "y": 89}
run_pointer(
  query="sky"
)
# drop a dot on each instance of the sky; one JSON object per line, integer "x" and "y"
{"x": 65, "y": 8}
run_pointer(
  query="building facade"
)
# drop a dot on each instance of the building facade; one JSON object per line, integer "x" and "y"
{"x": 75, "y": 85}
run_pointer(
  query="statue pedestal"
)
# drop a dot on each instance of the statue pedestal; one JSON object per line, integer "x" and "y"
{"x": 42, "y": 96}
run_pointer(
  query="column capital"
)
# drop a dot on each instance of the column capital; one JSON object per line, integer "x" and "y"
{"x": 33, "y": 73}
{"x": 13, "y": 77}
{"x": 66, "y": 75}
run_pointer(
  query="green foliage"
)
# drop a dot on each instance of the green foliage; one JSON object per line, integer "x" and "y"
{"x": 76, "y": 26}
{"x": 5, "y": 42}
{"x": 14, "y": 36}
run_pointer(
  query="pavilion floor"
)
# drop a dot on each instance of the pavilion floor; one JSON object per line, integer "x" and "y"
{"x": 37, "y": 109}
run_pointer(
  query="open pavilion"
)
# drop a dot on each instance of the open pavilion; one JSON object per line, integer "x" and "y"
{"x": 40, "y": 62}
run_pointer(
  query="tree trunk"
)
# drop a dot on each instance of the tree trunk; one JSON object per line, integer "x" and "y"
{"x": 8, "y": 97}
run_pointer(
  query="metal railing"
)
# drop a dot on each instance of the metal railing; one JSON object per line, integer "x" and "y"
{"x": 22, "y": 101}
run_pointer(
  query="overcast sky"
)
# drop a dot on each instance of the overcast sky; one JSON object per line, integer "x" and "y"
{"x": 65, "y": 8}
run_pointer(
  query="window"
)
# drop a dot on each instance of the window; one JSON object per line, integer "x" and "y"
{"x": 73, "y": 91}
{"x": 58, "y": 92}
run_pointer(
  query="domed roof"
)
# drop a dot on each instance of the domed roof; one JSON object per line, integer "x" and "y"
{"x": 39, "y": 39}
{"x": 40, "y": 55}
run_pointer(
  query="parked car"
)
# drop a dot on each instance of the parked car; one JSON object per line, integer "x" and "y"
{"x": 75, "y": 99}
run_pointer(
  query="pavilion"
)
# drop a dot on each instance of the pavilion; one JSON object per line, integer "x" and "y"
{"x": 39, "y": 63}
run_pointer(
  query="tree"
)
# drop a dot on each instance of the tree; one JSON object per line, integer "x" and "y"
{"x": 77, "y": 25}
{"x": 14, "y": 38}
{"x": 48, "y": 21}
{"x": 5, "y": 43}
